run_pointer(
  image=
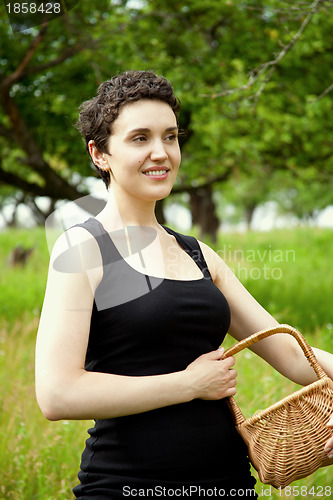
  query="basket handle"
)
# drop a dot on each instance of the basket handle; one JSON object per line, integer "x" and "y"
{"x": 256, "y": 337}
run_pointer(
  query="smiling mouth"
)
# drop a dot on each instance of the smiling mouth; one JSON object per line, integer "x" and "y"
{"x": 152, "y": 173}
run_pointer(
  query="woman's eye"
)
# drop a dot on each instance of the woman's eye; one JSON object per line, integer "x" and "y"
{"x": 140, "y": 138}
{"x": 171, "y": 137}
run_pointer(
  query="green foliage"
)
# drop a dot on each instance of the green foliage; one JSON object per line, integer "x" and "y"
{"x": 204, "y": 49}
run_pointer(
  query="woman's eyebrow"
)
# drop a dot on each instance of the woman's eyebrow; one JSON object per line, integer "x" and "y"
{"x": 147, "y": 130}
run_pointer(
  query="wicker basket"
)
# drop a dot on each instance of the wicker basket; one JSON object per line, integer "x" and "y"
{"x": 286, "y": 441}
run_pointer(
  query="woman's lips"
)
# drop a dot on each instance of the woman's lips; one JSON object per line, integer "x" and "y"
{"x": 156, "y": 173}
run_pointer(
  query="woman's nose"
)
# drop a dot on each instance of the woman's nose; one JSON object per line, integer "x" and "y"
{"x": 158, "y": 152}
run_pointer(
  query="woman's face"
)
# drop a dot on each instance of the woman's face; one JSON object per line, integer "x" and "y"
{"x": 144, "y": 154}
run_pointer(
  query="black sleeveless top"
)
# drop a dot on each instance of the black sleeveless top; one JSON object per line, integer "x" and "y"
{"x": 159, "y": 327}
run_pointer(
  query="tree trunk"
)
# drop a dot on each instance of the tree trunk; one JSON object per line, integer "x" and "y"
{"x": 249, "y": 211}
{"x": 203, "y": 212}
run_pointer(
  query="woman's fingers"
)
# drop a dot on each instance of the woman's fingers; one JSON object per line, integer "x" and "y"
{"x": 329, "y": 445}
{"x": 213, "y": 377}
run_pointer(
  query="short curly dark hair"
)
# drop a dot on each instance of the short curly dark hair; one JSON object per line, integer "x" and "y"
{"x": 97, "y": 115}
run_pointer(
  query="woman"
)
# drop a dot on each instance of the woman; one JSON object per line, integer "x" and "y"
{"x": 130, "y": 330}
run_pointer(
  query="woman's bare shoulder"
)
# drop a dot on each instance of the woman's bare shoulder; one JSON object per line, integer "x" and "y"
{"x": 75, "y": 250}
{"x": 214, "y": 262}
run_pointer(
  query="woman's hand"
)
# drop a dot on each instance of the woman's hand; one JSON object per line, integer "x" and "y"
{"x": 329, "y": 445}
{"x": 211, "y": 377}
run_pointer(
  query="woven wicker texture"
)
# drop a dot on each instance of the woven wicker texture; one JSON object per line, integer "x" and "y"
{"x": 286, "y": 441}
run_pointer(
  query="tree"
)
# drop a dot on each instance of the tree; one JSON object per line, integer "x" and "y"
{"x": 39, "y": 91}
{"x": 304, "y": 196}
{"x": 276, "y": 121}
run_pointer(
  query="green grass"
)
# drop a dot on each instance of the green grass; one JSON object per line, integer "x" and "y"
{"x": 288, "y": 272}
{"x": 40, "y": 459}
{"x": 22, "y": 289}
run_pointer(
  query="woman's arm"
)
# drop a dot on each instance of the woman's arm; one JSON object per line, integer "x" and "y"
{"x": 65, "y": 390}
{"x": 247, "y": 317}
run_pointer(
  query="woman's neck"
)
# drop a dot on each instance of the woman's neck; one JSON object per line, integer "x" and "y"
{"x": 121, "y": 211}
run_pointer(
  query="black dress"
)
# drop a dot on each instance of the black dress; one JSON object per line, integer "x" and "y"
{"x": 160, "y": 328}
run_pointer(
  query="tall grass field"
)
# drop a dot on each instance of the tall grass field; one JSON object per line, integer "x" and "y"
{"x": 288, "y": 271}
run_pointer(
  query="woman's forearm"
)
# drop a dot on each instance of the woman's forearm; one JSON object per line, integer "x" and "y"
{"x": 92, "y": 395}
{"x": 325, "y": 359}
{"x": 301, "y": 372}
{"x": 82, "y": 395}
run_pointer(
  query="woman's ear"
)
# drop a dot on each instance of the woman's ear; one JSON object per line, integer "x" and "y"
{"x": 98, "y": 158}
